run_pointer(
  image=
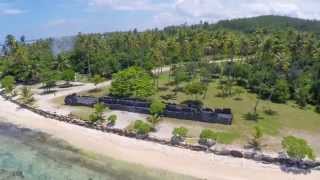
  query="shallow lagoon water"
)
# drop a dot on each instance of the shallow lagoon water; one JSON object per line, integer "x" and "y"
{"x": 31, "y": 155}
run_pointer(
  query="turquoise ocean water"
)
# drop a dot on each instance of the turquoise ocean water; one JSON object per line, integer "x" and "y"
{"x": 30, "y": 155}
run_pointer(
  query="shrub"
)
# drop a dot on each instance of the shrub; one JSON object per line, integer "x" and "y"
{"x": 98, "y": 114}
{"x": 255, "y": 142}
{"x": 154, "y": 119}
{"x": 281, "y": 93}
{"x": 157, "y": 107}
{"x": 68, "y": 75}
{"x": 180, "y": 132}
{"x": 27, "y": 95}
{"x": 208, "y": 134}
{"x": 141, "y": 127}
{"x": 93, "y": 117}
{"x": 134, "y": 82}
{"x": 318, "y": 108}
{"x": 195, "y": 89}
{"x": 8, "y": 83}
{"x": 97, "y": 79}
{"x": 297, "y": 148}
{"x": 112, "y": 119}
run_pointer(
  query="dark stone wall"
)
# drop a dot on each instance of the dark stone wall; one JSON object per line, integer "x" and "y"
{"x": 221, "y": 116}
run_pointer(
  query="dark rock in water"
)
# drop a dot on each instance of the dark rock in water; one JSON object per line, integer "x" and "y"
{"x": 6, "y": 174}
{"x": 237, "y": 154}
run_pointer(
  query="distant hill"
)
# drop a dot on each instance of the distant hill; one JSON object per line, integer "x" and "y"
{"x": 248, "y": 25}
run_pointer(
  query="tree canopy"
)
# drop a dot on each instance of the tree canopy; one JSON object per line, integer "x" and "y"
{"x": 132, "y": 82}
{"x": 297, "y": 148}
{"x": 281, "y": 56}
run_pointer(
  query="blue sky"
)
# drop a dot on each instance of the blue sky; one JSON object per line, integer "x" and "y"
{"x": 52, "y": 18}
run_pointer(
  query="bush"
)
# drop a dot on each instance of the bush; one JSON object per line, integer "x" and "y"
{"x": 27, "y": 95}
{"x": 68, "y": 75}
{"x": 141, "y": 127}
{"x": 255, "y": 142}
{"x": 251, "y": 116}
{"x": 112, "y": 119}
{"x": 208, "y": 134}
{"x": 133, "y": 82}
{"x": 154, "y": 119}
{"x": 318, "y": 108}
{"x": 297, "y": 148}
{"x": 157, "y": 107}
{"x": 97, "y": 79}
{"x": 180, "y": 132}
{"x": 195, "y": 89}
{"x": 98, "y": 114}
{"x": 281, "y": 93}
{"x": 8, "y": 83}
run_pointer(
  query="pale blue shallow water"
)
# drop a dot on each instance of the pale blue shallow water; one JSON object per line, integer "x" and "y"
{"x": 25, "y": 154}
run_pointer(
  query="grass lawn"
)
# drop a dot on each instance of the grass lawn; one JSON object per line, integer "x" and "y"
{"x": 80, "y": 112}
{"x": 97, "y": 92}
{"x": 288, "y": 116}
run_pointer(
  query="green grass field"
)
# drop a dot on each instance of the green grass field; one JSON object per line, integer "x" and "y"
{"x": 288, "y": 117}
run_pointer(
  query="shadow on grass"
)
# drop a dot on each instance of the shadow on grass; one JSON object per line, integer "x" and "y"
{"x": 163, "y": 88}
{"x": 238, "y": 99}
{"x": 270, "y": 112}
{"x": 170, "y": 83}
{"x": 193, "y": 103}
{"x": 62, "y": 86}
{"x": 171, "y": 96}
{"x": 252, "y": 116}
{"x": 95, "y": 90}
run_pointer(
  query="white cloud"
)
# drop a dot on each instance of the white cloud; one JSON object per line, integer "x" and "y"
{"x": 127, "y": 5}
{"x": 12, "y": 11}
{"x": 7, "y": 9}
{"x": 192, "y": 11}
{"x": 57, "y": 22}
{"x": 168, "y": 12}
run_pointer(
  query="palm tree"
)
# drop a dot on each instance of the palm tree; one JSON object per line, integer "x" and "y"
{"x": 27, "y": 95}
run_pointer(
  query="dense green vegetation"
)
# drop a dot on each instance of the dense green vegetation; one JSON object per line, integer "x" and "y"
{"x": 282, "y": 60}
{"x": 141, "y": 127}
{"x": 297, "y": 148}
{"x": 97, "y": 116}
{"x": 272, "y": 58}
{"x": 132, "y": 82}
{"x": 249, "y": 25}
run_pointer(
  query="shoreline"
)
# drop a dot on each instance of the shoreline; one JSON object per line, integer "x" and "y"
{"x": 149, "y": 154}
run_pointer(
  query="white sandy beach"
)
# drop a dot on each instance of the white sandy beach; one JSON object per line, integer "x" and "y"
{"x": 198, "y": 164}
